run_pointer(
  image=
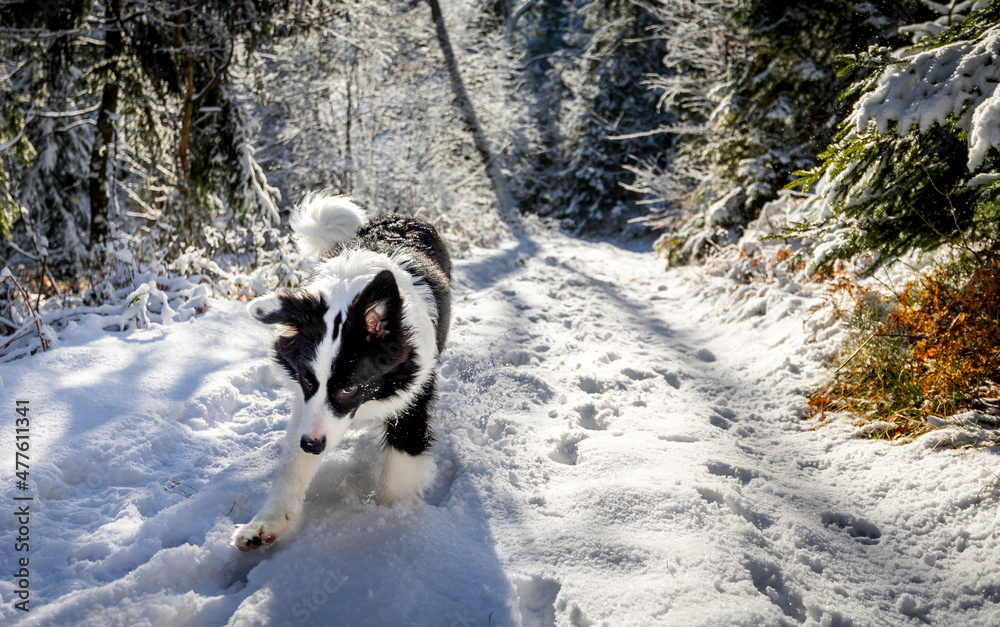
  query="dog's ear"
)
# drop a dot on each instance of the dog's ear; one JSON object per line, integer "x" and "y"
{"x": 267, "y": 308}
{"x": 381, "y": 305}
{"x": 286, "y": 307}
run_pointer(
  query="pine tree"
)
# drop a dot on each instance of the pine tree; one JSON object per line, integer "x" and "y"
{"x": 604, "y": 124}
{"x": 914, "y": 165}
{"x": 776, "y": 103}
{"x": 126, "y": 120}
{"x": 538, "y": 40}
{"x": 43, "y": 154}
{"x": 784, "y": 101}
{"x": 701, "y": 46}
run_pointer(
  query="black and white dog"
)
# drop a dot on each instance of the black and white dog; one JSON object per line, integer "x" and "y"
{"x": 359, "y": 343}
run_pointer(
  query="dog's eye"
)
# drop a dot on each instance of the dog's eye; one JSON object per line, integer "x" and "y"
{"x": 308, "y": 386}
{"x": 351, "y": 389}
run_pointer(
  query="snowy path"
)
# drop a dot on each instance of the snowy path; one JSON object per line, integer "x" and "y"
{"x": 615, "y": 445}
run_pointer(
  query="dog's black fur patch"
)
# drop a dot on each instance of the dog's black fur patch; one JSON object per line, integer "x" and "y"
{"x": 377, "y": 366}
{"x": 303, "y": 313}
{"x": 381, "y": 347}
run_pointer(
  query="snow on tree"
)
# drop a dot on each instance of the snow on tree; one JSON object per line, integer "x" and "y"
{"x": 539, "y": 42}
{"x": 604, "y": 122}
{"x": 124, "y": 127}
{"x": 770, "y": 71}
{"x": 372, "y": 114}
{"x": 914, "y": 166}
{"x": 948, "y": 13}
{"x": 506, "y": 208}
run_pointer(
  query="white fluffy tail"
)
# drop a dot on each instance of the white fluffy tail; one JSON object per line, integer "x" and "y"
{"x": 322, "y": 221}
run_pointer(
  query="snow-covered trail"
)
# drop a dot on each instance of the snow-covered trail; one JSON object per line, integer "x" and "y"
{"x": 616, "y": 445}
{"x": 689, "y": 488}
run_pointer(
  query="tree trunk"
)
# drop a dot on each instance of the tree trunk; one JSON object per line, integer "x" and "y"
{"x": 352, "y": 77}
{"x": 507, "y": 209}
{"x": 185, "y": 133}
{"x": 100, "y": 183}
{"x": 186, "y": 128}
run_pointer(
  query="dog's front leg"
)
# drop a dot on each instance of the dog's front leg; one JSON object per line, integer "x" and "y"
{"x": 407, "y": 466}
{"x": 284, "y": 503}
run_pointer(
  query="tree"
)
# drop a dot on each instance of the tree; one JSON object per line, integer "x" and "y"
{"x": 913, "y": 166}
{"x": 505, "y": 202}
{"x": 603, "y": 125}
{"x": 43, "y": 152}
{"x": 155, "y": 140}
{"x": 776, "y": 102}
{"x": 103, "y": 144}
{"x": 536, "y": 37}
{"x": 370, "y": 111}
{"x": 701, "y": 47}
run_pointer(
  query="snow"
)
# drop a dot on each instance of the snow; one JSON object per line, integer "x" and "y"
{"x": 617, "y": 444}
{"x": 951, "y": 13}
{"x": 957, "y": 81}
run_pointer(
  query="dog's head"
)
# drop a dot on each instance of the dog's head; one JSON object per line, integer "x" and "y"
{"x": 343, "y": 348}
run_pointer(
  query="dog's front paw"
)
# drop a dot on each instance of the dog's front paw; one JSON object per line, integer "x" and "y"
{"x": 260, "y": 531}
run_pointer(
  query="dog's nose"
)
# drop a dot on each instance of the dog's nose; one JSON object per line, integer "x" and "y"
{"x": 310, "y": 445}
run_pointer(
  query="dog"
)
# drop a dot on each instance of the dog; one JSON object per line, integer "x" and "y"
{"x": 359, "y": 343}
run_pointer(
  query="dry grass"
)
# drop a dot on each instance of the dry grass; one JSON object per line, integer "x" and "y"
{"x": 934, "y": 351}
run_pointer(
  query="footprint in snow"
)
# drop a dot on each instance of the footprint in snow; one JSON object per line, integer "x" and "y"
{"x": 591, "y": 385}
{"x": 722, "y": 469}
{"x": 770, "y": 582}
{"x": 703, "y": 354}
{"x": 670, "y": 377}
{"x": 566, "y": 451}
{"x": 735, "y": 506}
{"x": 638, "y": 375}
{"x": 522, "y": 357}
{"x": 809, "y": 464}
{"x": 860, "y": 529}
{"x": 609, "y": 357}
{"x": 723, "y": 417}
{"x": 592, "y": 419}
{"x": 536, "y": 598}
{"x": 718, "y": 421}
{"x": 447, "y": 472}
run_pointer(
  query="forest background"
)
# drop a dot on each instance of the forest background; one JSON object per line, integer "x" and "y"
{"x": 151, "y": 150}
